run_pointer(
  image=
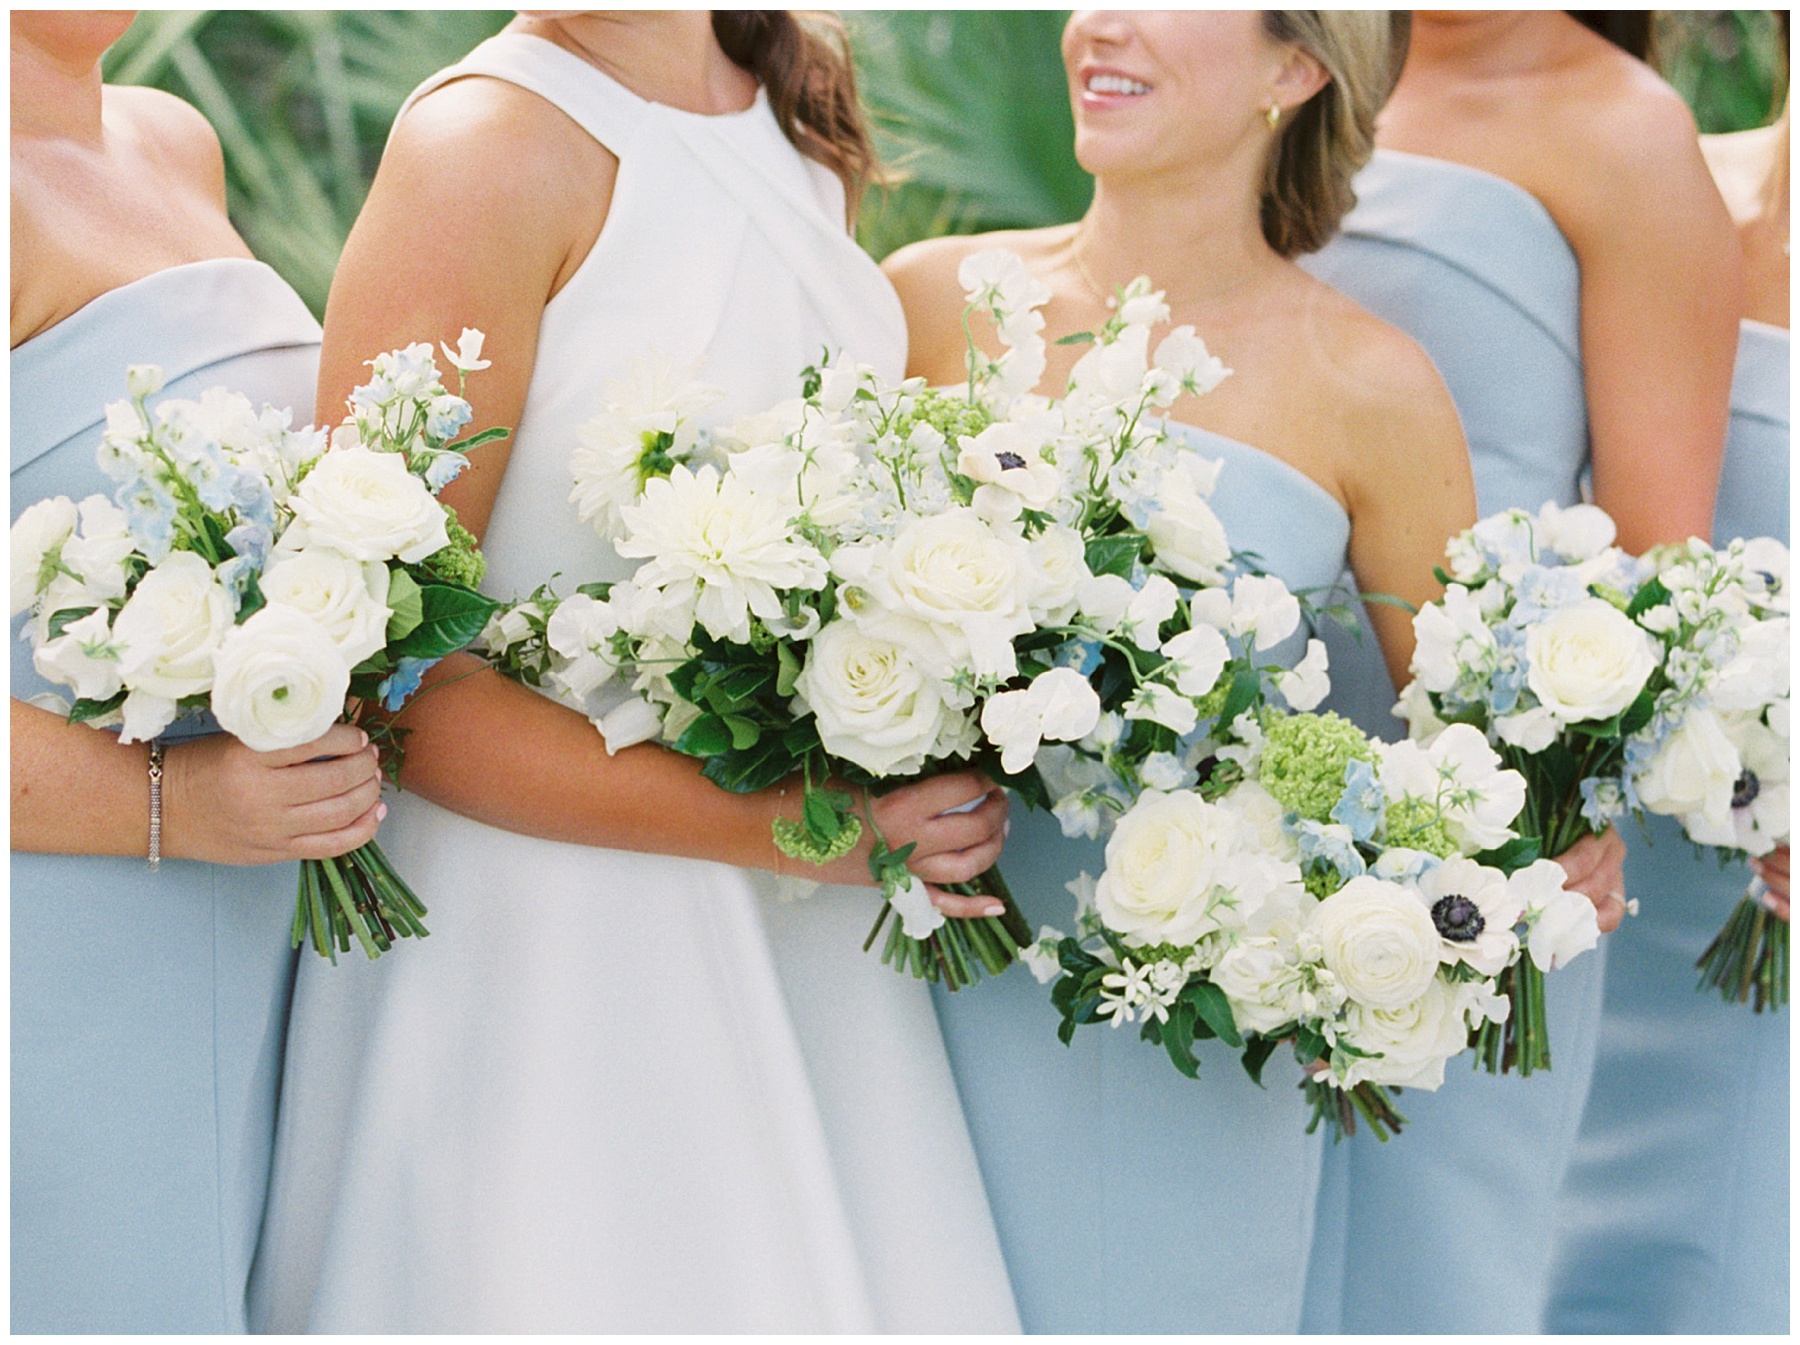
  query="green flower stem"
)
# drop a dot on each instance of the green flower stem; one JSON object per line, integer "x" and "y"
{"x": 1748, "y": 961}
{"x": 359, "y": 896}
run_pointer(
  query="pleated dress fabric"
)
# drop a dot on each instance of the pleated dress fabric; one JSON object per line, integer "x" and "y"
{"x": 1129, "y": 1198}
{"x": 148, "y": 1009}
{"x": 1675, "y": 1215}
{"x": 1448, "y": 1228}
{"x": 617, "y": 1091}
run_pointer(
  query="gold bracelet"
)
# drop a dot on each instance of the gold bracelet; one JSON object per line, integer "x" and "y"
{"x": 156, "y": 774}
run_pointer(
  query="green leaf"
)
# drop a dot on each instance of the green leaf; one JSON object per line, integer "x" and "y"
{"x": 84, "y": 710}
{"x": 61, "y": 620}
{"x": 1214, "y": 1009}
{"x": 748, "y": 771}
{"x": 1076, "y": 339}
{"x": 1309, "y": 1046}
{"x": 1652, "y": 594}
{"x": 487, "y": 436}
{"x": 404, "y": 601}
{"x": 1115, "y": 554}
{"x": 1256, "y": 1055}
{"x": 731, "y": 689}
{"x": 707, "y": 736}
{"x": 744, "y": 732}
{"x": 450, "y": 617}
{"x": 1245, "y": 688}
{"x": 1518, "y": 853}
{"x": 787, "y": 670}
{"x": 1638, "y": 713}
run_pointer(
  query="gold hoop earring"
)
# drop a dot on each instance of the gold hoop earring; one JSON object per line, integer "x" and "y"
{"x": 1274, "y": 115}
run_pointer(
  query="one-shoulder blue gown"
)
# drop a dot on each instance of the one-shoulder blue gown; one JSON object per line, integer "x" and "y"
{"x": 148, "y": 1009}
{"x": 1675, "y": 1214}
{"x": 1128, "y": 1198}
{"x": 1448, "y": 1227}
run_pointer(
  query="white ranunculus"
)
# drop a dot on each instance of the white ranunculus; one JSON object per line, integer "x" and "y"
{"x": 365, "y": 504}
{"x": 1692, "y": 777}
{"x": 280, "y": 680}
{"x": 346, "y": 597}
{"x": 1184, "y": 531}
{"x": 1308, "y": 682}
{"x": 1579, "y": 532}
{"x": 1411, "y": 1040}
{"x": 84, "y": 658}
{"x": 1262, "y": 980}
{"x": 171, "y": 626}
{"x": 36, "y": 533}
{"x": 1177, "y": 870}
{"x": 1588, "y": 661}
{"x": 874, "y": 705}
{"x": 1379, "y": 942}
{"x": 1563, "y": 923}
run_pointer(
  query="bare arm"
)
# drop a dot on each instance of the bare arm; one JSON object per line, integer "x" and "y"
{"x": 1660, "y": 296}
{"x": 487, "y": 201}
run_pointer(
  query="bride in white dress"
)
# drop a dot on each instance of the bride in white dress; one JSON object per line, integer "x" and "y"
{"x": 619, "y": 1091}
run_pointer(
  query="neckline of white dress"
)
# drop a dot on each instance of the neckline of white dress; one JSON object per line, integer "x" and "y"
{"x": 715, "y": 118}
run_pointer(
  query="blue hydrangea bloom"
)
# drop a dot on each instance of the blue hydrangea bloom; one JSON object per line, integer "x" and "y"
{"x": 1364, "y": 801}
{"x": 402, "y": 682}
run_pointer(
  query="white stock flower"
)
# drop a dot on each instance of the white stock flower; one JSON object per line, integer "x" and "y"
{"x": 37, "y": 533}
{"x": 1379, "y": 941}
{"x": 280, "y": 680}
{"x": 84, "y": 657}
{"x": 1308, "y": 682}
{"x": 170, "y": 627}
{"x": 1692, "y": 776}
{"x": 1563, "y": 923}
{"x": 718, "y": 550}
{"x": 365, "y": 504}
{"x": 347, "y": 598}
{"x": 874, "y": 705}
{"x": 1588, "y": 661}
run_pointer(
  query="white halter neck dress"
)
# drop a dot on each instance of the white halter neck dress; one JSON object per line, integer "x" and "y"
{"x": 617, "y": 1091}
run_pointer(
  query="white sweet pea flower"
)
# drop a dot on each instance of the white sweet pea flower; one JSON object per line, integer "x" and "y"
{"x": 629, "y": 723}
{"x": 1588, "y": 661}
{"x": 998, "y": 278}
{"x": 144, "y": 716}
{"x": 280, "y": 680}
{"x": 1161, "y": 705}
{"x": 1104, "y": 599}
{"x": 467, "y": 355}
{"x": 1308, "y": 682}
{"x": 1414, "y": 706}
{"x": 99, "y": 551}
{"x": 1462, "y": 776}
{"x": 912, "y": 903}
{"x": 1530, "y": 730}
{"x": 1058, "y": 561}
{"x": 1261, "y": 604}
{"x": 1564, "y": 924}
{"x": 1114, "y": 371}
{"x": 84, "y": 658}
{"x": 1041, "y": 958}
{"x": 1453, "y": 639}
{"x": 1693, "y": 776}
{"x": 1184, "y": 532}
{"x": 1149, "y": 608}
{"x": 38, "y": 534}
{"x": 1199, "y": 656}
{"x": 1579, "y": 532}
{"x": 1185, "y": 357}
{"x": 1059, "y": 704}
{"x": 1142, "y": 306}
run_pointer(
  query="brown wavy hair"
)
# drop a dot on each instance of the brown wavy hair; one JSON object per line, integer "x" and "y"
{"x": 802, "y": 59}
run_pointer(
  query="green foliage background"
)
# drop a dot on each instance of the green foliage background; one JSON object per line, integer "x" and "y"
{"x": 970, "y": 107}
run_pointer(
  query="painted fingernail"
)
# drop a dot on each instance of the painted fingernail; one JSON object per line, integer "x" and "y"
{"x": 380, "y": 812}
{"x": 994, "y": 908}
{"x": 363, "y": 733}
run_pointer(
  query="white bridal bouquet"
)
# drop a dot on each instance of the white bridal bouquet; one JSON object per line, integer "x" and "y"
{"x": 252, "y": 571}
{"x": 1356, "y": 898}
{"x": 869, "y": 580}
{"x": 1611, "y": 684}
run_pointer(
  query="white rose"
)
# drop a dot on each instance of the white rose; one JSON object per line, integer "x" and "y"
{"x": 170, "y": 627}
{"x": 1378, "y": 941}
{"x": 346, "y": 597}
{"x": 280, "y": 680}
{"x": 1170, "y": 870}
{"x": 1412, "y": 1040}
{"x": 874, "y": 705}
{"x": 1692, "y": 776}
{"x": 1262, "y": 980}
{"x": 1588, "y": 661}
{"x": 366, "y": 504}
{"x": 36, "y": 533}
{"x": 84, "y": 657}
{"x": 1186, "y": 534}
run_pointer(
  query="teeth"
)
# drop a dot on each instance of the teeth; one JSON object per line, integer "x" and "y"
{"x": 1115, "y": 84}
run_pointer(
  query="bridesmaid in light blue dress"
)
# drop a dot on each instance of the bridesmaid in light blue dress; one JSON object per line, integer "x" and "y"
{"x": 1127, "y": 1197}
{"x": 148, "y": 1007}
{"x": 1525, "y": 326}
{"x": 1675, "y": 1214}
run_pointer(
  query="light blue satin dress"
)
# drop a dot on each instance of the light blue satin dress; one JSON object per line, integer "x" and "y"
{"x": 1128, "y": 1198}
{"x": 1448, "y": 1227}
{"x": 148, "y": 1009}
{"x": 1675, "y": 1214}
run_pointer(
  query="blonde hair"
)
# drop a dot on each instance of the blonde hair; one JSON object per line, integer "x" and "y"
{"x": 1328, "y": 138}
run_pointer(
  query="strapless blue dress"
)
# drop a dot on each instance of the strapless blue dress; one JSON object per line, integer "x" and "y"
{"x": 148, "y": 1009}
{"x": 1473, "y": 268}
{"x": 1675, "y": 1214}
{"x": 1128, "y": 1198}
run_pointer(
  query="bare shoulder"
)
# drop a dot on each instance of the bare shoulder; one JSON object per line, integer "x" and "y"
{"x": 924, "y": 276}
{"x": 1371, "y": 369}
{"x": 173, "y": 133}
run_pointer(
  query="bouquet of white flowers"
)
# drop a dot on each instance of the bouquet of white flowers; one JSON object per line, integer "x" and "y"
{"x": 245, "y": 569}
{"x": 1356, "y": 898}
{"x": 869, "y": 580}
{"x": 1715, "y": 752}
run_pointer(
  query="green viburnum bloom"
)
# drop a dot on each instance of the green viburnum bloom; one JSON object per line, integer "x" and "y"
{"x": 792, "y": 840}
{"x": 461, "y": 562}
{"x": 1417, "y": 824}
{"x": 1303, "y": 762}
{"x": 951, "y": 417}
